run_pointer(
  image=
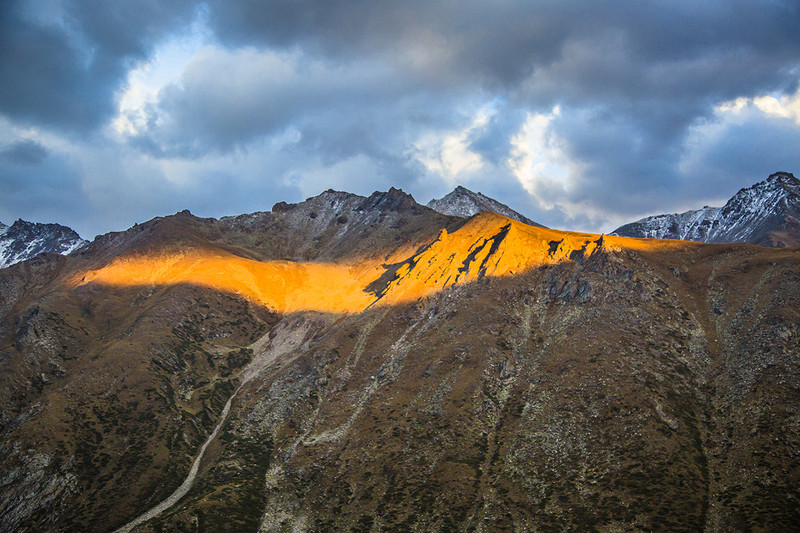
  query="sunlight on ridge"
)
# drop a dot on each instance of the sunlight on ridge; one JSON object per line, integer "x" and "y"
{"x": 488, "y": 245}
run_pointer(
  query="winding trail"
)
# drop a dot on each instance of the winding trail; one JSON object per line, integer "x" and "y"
{"x": 289, "y": 336}
{"x": 181, "y": 491}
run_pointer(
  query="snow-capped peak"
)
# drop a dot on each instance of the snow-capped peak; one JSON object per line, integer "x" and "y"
{"x": 766, "y": 213}
{"x": 23, "y": 240}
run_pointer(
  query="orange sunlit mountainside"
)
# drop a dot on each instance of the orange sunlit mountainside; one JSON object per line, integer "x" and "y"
{"x": 488, "y": 245}
{"x": 280, "y": 285}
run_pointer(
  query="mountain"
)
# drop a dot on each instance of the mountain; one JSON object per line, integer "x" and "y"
{"x": 353, "y": 363}
{"x": 24, "y": 240}
{"x": 768, "y": 213}
{"x": 462, "y": 202}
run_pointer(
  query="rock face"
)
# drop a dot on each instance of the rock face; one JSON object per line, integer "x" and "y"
{"x": 391, "y": 368}
{"x": 768, "y": 213}
{"x": 24, "y": 240}
{"x": 462, "y": 202}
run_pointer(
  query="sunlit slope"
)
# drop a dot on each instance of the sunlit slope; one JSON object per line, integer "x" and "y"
{"x": 280, "y": 285}
{"x": 493, "y": 245}
{"x": 487, "y": 245}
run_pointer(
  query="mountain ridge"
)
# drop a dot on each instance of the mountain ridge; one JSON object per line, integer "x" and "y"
{"x": 767, "y": 213}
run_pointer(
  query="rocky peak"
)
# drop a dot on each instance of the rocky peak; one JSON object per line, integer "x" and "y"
{"x": 391, "y": 200}
{"x": 329, "y": 198}
{"x": 783, "y": 178}
{"x": 779, "y": 183}
{"x": 336, "y": 224}
{"x": 462, "y": 202}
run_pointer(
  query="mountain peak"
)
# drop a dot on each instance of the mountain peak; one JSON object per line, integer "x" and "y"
{"x": 462, "y": 202}
{"x": 391, "y": 200}
{"x": 765, "y": 213}
{"x": 783, "y": 177}
{"x": 24, "y": 240}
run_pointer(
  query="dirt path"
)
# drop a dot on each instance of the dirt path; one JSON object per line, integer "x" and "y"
{"x": 181, "y": 491}
{"x": 289, "y": 336}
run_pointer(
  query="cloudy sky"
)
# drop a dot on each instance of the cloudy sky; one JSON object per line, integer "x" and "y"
{"x": 580, "y": 114}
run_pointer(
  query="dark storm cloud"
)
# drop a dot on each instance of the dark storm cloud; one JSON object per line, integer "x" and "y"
{"x": 288, "y": 98}
{"x": 227, "y": 99}
{"x": 127, "y": 29}
{"x": 63, "y": 70}
{"x": 659, "y": 65}
{"x": 44, "y": 77}
{"x": 643, "y": 47}
{"x": 634, "y": 77}
{"x": 755, "y": 146}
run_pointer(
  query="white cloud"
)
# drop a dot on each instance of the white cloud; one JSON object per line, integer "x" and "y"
{"x": 775, "y": 117}
{"x": 538, "y": 159}
{"x": 162, "y": 69}
{"x": 784, "y": 106}
{"x": 448, "y": 154}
